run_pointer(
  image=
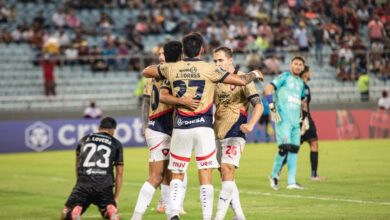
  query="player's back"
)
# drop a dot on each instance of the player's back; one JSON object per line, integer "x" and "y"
{"x": 193, "y": 78}
{"x": 160, "y": 114}
{"x": 97, "y": 154}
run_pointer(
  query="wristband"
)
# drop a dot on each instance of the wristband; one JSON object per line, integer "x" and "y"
{"x": 269, "y": 99}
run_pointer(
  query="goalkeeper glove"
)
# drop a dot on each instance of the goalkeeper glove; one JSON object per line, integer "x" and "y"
{"x": 275, "y": 117}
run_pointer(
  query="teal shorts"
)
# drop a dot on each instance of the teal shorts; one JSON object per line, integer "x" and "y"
{"x": 286, "y": 133}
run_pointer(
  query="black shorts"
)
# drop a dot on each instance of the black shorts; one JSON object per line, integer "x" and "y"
{"x": 311, "y": 134}
{"x": 86, "y": 195}
{"x": 264, "y": 119}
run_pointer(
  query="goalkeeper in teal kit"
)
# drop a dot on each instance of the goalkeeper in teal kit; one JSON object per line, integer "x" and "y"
{"x": 285, "y": 106}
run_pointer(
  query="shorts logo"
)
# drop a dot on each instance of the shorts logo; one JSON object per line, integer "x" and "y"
{"x": 165, "y": 152}
{"x": 206, "y": 163}
{"x": 38, "y": 136}
{"x": 179, "y": 164}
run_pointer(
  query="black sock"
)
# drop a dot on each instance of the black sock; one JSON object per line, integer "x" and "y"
{"x": 314, "y": 163}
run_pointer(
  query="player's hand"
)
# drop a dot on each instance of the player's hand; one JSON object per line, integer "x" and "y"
{"x": 275, "y": 117}
{"x": 190, "y": 103}
{"x": 259, "y": 75}
{"x": 305, "y": 125}
{"x": 116, "y": 201}
{"x": 246, "y": 128}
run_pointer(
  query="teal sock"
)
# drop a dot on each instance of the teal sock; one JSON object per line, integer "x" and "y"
{"x": 278, "y": 162}
{"x": 292, "y": 167}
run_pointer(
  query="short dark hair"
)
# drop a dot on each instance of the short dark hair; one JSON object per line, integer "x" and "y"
{"x": 172, "y": 51}
{"x": 107, "y": 123}
{"x": 192, "y": 43}
{"x": 298, "y": 58}
{"x": 228, "y": 52}
{"x": 305, "y": 70}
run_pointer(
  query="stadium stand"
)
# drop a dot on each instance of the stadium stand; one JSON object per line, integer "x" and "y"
{"x": 96, "y": 30}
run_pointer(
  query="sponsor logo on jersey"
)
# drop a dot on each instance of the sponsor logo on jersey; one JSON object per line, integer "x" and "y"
{"x": 38, "y": 136}
{"x": 151, "y": 123}
{"x": 95, "y": 171}
{"x": 294, "y": 100}
{"x": 181, "y": 122}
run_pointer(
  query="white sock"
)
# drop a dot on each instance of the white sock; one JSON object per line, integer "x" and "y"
{"x": 165, "y": 197}
{"x": 175, "y": 196}
{"x": 206, "y": 200}
{"x": 236, "y": 203}
{"x": 144, "y": 198}
{"x": 225, "y": 197}
{"x": 184, "y": 191}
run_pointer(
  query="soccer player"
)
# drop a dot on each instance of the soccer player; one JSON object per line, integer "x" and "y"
{"x": 309, "y": 130}
{"x": 96, "y": 154}
{"x": 285, "y": 107}
{"x": 158, "y": 133}
{"x": 192, "y": 77}
{"x": 230, "y": 126}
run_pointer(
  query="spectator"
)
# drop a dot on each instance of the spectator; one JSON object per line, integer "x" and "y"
{"x": 384, "y": 101}
{"x": 48, "y": 67}
{"x": 58, "y": 18}
{"x": 5, "y": 36}
{"x": 272, "y": 65}
{"x": 92, "y": 111}
{"x": 364, "y": 87}
{"x": 385, "y": 71}
{"x": 71, "y": 19}
{"x": 319, "y": 40}
{"x": 302, "y": 38}
{"x": 375, "y": 29}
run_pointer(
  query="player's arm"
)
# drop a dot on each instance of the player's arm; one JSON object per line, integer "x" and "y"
{"x": 118, "y": 181}
{"x": 256, "y": 114}
{"x": 77, "y": 165}
{"x": 167, "y": 98}
{"x": 268, "y": 91}
{"x": 145, "y": 112}
{"x": 242, "y": 80}
{"x": 151, "y": 72}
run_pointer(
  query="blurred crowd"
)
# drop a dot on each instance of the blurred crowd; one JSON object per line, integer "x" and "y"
{"x": 350, "y": 35}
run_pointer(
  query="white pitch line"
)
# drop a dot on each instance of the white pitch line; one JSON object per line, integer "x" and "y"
{"x": 356, "y": 201}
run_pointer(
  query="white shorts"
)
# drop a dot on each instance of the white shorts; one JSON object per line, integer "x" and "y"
{"x": 202, "y": 139}
{"x": 230, "y": 150}
{"x": 159, "y": 144}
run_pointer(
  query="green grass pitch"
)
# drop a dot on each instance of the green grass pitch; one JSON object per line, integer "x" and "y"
{"x": 36, "y": 185}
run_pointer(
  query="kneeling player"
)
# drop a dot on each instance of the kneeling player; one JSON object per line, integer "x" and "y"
{"x": 230, "y": 126}
{"x": 96, "y": 155}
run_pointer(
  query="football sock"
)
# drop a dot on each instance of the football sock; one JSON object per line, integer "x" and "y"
{"x": 175, "y": 196}
{"x": 165, "y": 197}
{"x": 314, "y": 163}
{"x": 278, "y": 162}
{"x": 236, "y": 203}
{"x": 292, "y": 167}
{"x": 184, "y": 191}
{"x": 144, "y": 198}
{"x": 206, "y": 200}
{"x": 224, "y": 199}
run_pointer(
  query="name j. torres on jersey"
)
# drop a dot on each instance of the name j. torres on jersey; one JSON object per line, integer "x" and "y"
{"x": 189, "y": 79}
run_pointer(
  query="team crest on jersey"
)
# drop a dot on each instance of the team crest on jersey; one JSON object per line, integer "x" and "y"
{"x": 165, "y": 152}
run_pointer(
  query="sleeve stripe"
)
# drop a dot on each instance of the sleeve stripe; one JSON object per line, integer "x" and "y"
{"x": 252, "y": 96}
{"x": 159, "y": 72}
{"x": 272, "y": 84}
{"x": 224, "y": 77}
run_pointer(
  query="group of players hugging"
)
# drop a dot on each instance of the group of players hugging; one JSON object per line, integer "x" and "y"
{"x": 179, "y": 118}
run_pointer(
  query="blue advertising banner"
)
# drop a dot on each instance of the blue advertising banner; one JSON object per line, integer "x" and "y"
{"x": 63, "y": 134}
{"x": 25, "y": 136}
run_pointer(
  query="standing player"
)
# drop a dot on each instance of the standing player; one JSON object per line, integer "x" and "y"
{"x": 158, "y": 133}
{"x": 285, "y": 112}
{"x": 230, "y": 126}
{"x": 309, "y": 130}
{"x": 96, "y": 154}
{"x": 193, "y": 128}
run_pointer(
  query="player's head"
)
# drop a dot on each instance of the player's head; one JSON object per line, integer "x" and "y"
{"x": 384, "y": 94}
{"x": 223, "y": 57}
{"x": 193, "y": 45}
{"x": 297, "y": 65}
{"x": 172, "y": 51}
{"x": 305, "y": 74}
{"x": 161, "y": 57}
{"x": 107, "y": 125}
